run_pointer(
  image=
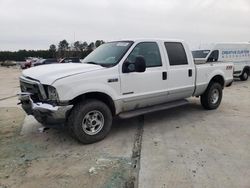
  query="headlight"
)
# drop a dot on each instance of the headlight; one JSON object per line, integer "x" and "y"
{"x": 52, "y": 94}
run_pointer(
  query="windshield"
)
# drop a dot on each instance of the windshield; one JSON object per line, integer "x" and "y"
{"x": 108, "y": 54}
{"x": 200, "y": 53}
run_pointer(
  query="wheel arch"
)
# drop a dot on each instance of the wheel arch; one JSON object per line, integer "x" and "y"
{"x": 105, "y": 98}
{"x": 219, "y": 79}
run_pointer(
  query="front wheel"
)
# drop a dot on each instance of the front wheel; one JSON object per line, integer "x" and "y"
{"x": 211, "y": 99}
{"x": 90, "y": 121}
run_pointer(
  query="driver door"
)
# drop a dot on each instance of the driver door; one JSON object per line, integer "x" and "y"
{"x": 145, "y": 88}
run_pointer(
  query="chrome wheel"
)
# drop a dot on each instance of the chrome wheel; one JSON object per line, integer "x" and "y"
{"x": 215, "y": 96}
{"x": 93, "y": 122}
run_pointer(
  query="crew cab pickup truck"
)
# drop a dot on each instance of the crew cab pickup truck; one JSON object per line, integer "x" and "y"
{"x": 122, "y": 78}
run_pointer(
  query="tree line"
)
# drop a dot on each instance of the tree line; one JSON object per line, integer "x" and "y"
{"x": 62, "y": 50}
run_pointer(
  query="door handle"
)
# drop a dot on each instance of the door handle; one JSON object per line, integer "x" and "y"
{"x": 190, "y": 72}
{"x": 164, "y": 75}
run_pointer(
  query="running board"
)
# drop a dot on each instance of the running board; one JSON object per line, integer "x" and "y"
{"x": 145, "y": 110}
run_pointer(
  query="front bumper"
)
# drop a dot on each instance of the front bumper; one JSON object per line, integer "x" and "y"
{"x": 43, "y": 112}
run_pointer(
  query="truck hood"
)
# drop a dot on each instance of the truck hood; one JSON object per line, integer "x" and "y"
{"x": 47, "y": 74}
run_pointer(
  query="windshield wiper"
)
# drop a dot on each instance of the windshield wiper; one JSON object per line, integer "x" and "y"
{"x": 94, "y": 63}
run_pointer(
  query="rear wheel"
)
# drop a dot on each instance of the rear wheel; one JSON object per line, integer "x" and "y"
{"x": 90, "y": 121}
{"x": 211, "y": 99}
{"x": 244, "y": 75}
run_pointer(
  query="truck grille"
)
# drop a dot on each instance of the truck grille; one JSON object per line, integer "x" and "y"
{"x": 32, "y": 88}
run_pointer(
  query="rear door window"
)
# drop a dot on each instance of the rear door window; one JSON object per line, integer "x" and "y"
{"x": 176, "y": 53}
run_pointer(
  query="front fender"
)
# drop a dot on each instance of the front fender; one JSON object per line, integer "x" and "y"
{"x": 69, "y": 92}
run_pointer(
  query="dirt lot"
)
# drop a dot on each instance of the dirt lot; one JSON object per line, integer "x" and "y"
{"x": 51, "y": 158}
{"x": 182, "y": 147}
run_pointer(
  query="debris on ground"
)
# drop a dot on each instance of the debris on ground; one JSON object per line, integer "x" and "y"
{"x": 92, "y": 171}
{"x": 42, "y": 129}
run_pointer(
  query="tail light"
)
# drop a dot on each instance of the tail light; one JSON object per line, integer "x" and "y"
{"x": 229, "y": 67}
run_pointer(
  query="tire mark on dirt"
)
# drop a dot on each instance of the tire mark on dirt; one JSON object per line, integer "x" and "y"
{"x": 8, "y": 97}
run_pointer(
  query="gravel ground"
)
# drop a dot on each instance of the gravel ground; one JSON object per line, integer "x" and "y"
{"x": 192, "y": 147}
{"x": 182, "y": 147}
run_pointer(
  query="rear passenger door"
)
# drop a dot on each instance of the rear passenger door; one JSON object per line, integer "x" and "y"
{"x": 181, "y": 73}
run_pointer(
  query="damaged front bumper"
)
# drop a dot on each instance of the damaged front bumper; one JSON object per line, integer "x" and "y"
{"x": 43, "y": 112}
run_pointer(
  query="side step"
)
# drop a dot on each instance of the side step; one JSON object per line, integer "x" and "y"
{"x": 145, "y": 110}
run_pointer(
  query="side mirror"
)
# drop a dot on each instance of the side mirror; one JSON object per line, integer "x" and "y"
{"x": 138, "y": 66}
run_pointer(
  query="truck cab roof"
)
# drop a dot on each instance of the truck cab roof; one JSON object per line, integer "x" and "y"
{"x": 151, "y": 39}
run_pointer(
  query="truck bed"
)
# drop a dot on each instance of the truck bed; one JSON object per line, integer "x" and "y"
{"x": 206, "y": 71}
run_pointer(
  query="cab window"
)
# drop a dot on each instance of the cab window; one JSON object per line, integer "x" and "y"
{"x": 176, "y": 53}
{"x": 214, "y": 56}
{"x": 150, "y": 51}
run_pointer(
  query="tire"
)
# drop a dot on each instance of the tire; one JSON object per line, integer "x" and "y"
{"x": 211, "y": 99}
{"x": 244, "y": 76}
{"x": 230, "y": 84}
{"x": 90, "y": 121}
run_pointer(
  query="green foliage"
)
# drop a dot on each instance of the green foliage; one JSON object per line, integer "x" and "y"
{"x": 80, "y": 49}
{"x": 77, "y": 46}
{"x": 52, "y": 48}
{"x": 98, "y": 43}
{"x": 22, "y": 54}
{"x": 84, "y": 45}
{"x": 63, "y": 45}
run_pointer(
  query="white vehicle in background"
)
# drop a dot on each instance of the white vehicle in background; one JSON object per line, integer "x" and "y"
{"x": 237, "y": 53}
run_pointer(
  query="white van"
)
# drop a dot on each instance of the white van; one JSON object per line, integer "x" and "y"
{"x": 237, "y": 53}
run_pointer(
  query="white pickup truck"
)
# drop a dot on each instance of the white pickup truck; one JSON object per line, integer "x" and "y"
{"x": 121, "y": 78}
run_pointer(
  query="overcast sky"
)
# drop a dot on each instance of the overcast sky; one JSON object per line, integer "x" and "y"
{"x": 35, "y": 24}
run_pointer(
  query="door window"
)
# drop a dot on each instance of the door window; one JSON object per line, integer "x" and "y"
{"x": 176, "y": 53}
{"x": 214, "y": 56}
{"x": 150, "y": 51}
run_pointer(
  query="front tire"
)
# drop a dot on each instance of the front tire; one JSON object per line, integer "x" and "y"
{"x": 90, "y": 121}
{"x": 211, "y": 99}
{"x": 244, "y": 76}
